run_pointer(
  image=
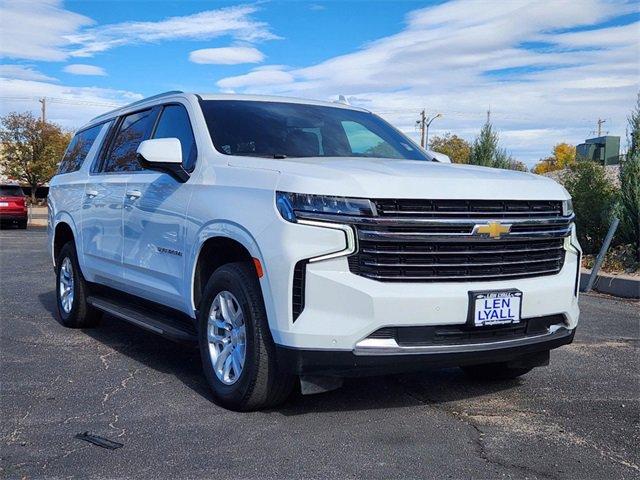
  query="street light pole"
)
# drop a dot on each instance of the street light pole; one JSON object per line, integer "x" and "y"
{"x": 428, "y": 124}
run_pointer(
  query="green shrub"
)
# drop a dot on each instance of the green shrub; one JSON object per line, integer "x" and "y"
{"x": 594, "y": 198}
{"x": 629, "y": 203}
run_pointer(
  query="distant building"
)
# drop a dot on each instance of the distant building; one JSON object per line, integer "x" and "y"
{"x": 604, "y": 150}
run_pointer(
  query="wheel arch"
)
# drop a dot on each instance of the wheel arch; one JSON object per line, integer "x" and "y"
{"x": 219, "y": 243}
{"x": 63, "y": 232}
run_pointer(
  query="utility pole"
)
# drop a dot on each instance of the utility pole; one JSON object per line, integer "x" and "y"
{"x": 43, "y": 110}
{"x": 423, "y": 124}
{"x": 600, "y": 122}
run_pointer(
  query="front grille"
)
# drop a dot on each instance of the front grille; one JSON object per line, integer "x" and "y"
{"x": 467, "y": 208}
{"x": 441, "y": 240}
{"x": 443, "y": 261}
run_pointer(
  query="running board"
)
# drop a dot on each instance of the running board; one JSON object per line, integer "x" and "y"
{"x": 160, "y": 320}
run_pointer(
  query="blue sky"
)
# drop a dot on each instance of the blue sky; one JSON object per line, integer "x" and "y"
{"x": 547, "y": 70}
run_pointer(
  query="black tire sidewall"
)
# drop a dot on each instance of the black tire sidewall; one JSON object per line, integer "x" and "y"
{"x": 228, "y": 278}
{"x": 71, "y": 318}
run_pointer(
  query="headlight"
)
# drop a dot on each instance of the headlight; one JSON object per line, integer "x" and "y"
{"x": 567, "y": 207}
{"x": 290, "y": 204}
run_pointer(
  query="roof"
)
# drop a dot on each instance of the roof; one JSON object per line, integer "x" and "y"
{"x": 222, "y": 96}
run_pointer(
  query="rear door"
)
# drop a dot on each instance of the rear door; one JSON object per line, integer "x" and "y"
{"x": 155, "y": 207}
{"x": 103, "y": 203}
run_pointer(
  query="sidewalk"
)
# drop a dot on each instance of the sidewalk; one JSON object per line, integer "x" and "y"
{"x": 625, "y": 286}
{"x": 38, "y": 217}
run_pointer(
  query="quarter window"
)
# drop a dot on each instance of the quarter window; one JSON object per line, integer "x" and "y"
{"x": 132, "y": 131}
{"x": 174, "y": 123}
{"x": 78, "y": 149}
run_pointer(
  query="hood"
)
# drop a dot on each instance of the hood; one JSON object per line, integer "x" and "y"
{"x": 391, "y": 178}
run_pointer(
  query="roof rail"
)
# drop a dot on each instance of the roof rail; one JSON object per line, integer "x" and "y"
{"x": 159, "y": 95}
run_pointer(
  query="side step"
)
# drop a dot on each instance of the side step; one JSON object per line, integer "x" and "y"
{"x": 163, "y": 321}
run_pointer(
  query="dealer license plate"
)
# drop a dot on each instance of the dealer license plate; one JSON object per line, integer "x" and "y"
{"x": 4, "y": 204}
{"x": 496, "y": 308}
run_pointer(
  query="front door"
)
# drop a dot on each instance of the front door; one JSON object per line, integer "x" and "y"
{"x": 155, "y": 208}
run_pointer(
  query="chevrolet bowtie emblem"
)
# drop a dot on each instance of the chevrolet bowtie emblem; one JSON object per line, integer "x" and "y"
{"x": 493, "y": 229}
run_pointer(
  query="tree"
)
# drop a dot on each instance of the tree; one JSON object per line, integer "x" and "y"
{"x": 594, "y": 197}
{"x": 633, "y": 134}
{"x": 486, "y": 151}
{"x": 456, "y": 148}
{"x": 564, "y": 155}
{"x": 31, "y": 149}
{"x": 629, "y": 206}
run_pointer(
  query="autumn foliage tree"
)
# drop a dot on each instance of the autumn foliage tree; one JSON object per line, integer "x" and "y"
{"x": 564, "y": 156}
{"x": 456, "y": 148}
{"x": 31, "y": 149}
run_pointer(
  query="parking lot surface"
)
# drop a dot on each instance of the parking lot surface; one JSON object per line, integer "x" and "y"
{"x": 577, "y": 418}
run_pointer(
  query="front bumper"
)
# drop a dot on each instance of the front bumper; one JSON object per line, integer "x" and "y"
{"x": 363, "y": 362}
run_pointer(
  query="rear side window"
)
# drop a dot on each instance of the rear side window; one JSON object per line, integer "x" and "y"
{"x": 174, "y": 123}
{"x": 78, "y": 149}
{"x": 122, "y": 154}
{"x": 11, "y": 191}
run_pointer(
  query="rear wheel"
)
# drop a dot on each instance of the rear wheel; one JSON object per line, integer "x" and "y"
{"x": 495, "y": 371}
{"x": 71, "y": 291}
{"x": 22, "y": 224}
{"x": 238, "y": 353}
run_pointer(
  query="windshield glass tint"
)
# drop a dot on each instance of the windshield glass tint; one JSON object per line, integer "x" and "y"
{"x": 11, "y": 191}
{"x": 268, "y": 129}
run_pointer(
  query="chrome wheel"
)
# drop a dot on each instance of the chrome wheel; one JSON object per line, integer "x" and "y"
{"x": 65, "y": 288}
{"x": 226, "y": 333}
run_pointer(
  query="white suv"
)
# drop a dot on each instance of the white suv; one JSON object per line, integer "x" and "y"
{"x": 295, "y": 239}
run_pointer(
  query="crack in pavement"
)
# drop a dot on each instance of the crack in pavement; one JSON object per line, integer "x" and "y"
{"x": 479, "y": 440}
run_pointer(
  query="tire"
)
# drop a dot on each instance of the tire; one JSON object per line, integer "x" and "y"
{"x": 80, "y": 314}
{"x": 261, "y": 383}
{"x": 494, "y": 372}
{"x": 22, "y": 224}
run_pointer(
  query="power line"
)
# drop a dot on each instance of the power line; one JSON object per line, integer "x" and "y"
{"x": 67, "y": 101}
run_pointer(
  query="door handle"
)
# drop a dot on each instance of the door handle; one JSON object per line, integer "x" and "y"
{"x": 134, "y": 194}
{"x": 91, "y": 193}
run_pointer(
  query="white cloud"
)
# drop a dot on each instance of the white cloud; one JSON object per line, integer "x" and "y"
{"x": 44, "y": 30}
{"x": 23, "y": 72}
{"x": 37, "y": 30}
{"x": 235, "y": 22}
{"x": 464, "y": 56}
{"x": 83, "y": 69}
{"x": 257, "y": 78}
{"x": 227, "y": 55}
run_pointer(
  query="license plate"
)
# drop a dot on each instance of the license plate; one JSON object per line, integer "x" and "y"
{"x": 4, "y": 204}
{"x": 495, "y": 308}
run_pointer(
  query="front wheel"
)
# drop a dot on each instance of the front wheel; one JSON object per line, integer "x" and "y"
{"x": 238, "y": 353}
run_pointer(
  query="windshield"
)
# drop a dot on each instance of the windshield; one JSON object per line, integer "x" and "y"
{"x": 11, "y": 191}
{"x": 279, "y": 130}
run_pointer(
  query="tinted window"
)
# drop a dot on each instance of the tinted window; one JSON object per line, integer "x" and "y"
{"x": 132, "y": 131}
{"x": 174, "y": 123}
{"x": 11, "y": 191}
{"x": 266, "y": 129}
{"x": 78, "y": 149}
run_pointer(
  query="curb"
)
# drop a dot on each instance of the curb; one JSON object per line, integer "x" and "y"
{"x": 619, "y": 286}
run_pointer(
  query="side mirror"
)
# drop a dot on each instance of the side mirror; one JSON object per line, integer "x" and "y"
{"x": 439, "y": 157}
{"x": 163, "y": 154}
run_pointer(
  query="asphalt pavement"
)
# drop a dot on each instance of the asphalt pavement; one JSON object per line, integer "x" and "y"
{"x": 577, "y": 418}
